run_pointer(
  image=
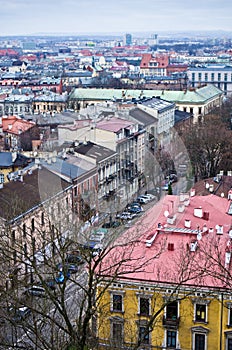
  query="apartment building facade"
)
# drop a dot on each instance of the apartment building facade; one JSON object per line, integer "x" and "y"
{"x": 216, "y": 74}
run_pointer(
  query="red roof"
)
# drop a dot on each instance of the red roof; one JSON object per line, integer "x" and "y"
{"x": 176, "y": 239}
{"x": 15, "y": 125}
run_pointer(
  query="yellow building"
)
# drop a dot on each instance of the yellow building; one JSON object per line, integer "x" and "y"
{"x": 174, "y": 290}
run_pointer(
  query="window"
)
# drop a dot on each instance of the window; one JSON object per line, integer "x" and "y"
{"x": 116, "y": 330}
{"x": 117, "y": 302}
{"x": 144, "y": 335}
{"x": 199, "y": 76}
{"x": 171, "y": 339}
{"x": 200, "y": 313}
{"x": 144, "y": 306}
{"x": 32, "y": 225}
{"x": 219, "y": 76}
{"x": 172, "y": 311}
{"x": 230, "y": 315}
{"x": 13, "y": 237}
{"x": 24, "y": 230}
{"x": 2, "y": 178}
{"x": 199, "y": 342}
{"x": 42, "y": 219}
{"x": 225, "y": 76}
{"x": 193, "y": 76}
{"x": 229, "y": 344}
{"x": 212, "y": 76}
{"x": 206, "y": 76}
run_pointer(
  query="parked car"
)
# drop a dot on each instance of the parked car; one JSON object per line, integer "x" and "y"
{"x": 149, "y": 196}
{"x": 136, "y": 204}
{"x": 126, "y": 215}
{"x": 50, "y": 283}
{"x": 111, "y": 224}
{"x": 135, "y": 210}
{"x": 71, "y": 268}
{"x": 74, "y": 257}
{"x": 172, "y": 178}
{"x": 61, "y": 277}
{"x": 165, "y": 186}
{"x": 19, "y": 314}
{"x": 36, "y": 291}
{"x": 143, "y": 200}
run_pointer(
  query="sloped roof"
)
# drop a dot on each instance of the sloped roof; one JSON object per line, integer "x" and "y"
{"x": 199, "y": 95}
{"x": 18, "y": 197}
{"x": 67, "y": 171}
{"x": 15, "y": 125}
{"x": 162, "y": 264}
{"x": 142, "y": 117}
{"x": 7, "y": 160}
{"x": 114, "y": 124}
{"x": 95, "y": 151}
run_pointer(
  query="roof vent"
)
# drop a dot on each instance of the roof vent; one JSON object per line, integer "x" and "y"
{"x": 204, "y": 228}
{"x": 182, "y": 197}
{"x": 181, "y": 208}
{"x": 219, "y": 229}
{"x": 198, "y": 212}
{"x": 210, "y": 230}
{"x": 211, "y": 188}
{"x": 187, "y": 223}
{"x": 192, "y": 192}
{"x": 186, "y": 202}
{"x": 171, "y": 219}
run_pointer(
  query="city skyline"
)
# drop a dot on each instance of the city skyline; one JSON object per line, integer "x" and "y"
{"x": 26, "y": 17}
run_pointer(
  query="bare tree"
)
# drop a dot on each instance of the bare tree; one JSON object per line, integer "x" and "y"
{"x": 208, "y": 144}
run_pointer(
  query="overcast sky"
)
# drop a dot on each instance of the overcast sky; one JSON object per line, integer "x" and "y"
{"x": 90, "y": 16}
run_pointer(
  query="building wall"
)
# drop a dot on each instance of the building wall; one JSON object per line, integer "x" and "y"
{"x": 221, "y": 77}
{"x": 186, "y": 327}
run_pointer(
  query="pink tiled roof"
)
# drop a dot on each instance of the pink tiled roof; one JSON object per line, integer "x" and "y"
{"x": 168, "y": 259}
{"x": 113, "y": 124}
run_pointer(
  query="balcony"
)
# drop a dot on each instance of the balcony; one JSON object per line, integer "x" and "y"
{"x": 171, "y": 322}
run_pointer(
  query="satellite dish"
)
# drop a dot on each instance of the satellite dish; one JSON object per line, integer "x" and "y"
{"x": 166, "y": 213}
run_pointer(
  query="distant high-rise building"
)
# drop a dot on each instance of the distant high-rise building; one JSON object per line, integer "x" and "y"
{"x": 127, "y": 39}
{"x": 153, "y": 40}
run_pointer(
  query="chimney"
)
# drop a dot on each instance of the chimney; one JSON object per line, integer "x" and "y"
{"x": 170, "y": 246}
{"x": 206, "y": 215}
{"x": 14, "y": 156}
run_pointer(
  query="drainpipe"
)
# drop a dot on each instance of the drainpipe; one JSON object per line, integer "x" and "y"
{"x": 221, "y": 320}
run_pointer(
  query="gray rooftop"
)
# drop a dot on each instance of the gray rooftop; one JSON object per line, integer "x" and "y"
{"x": 92, "y": 150}
{"x": 65, "y": 170}
{"x": 142, "y": 117}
